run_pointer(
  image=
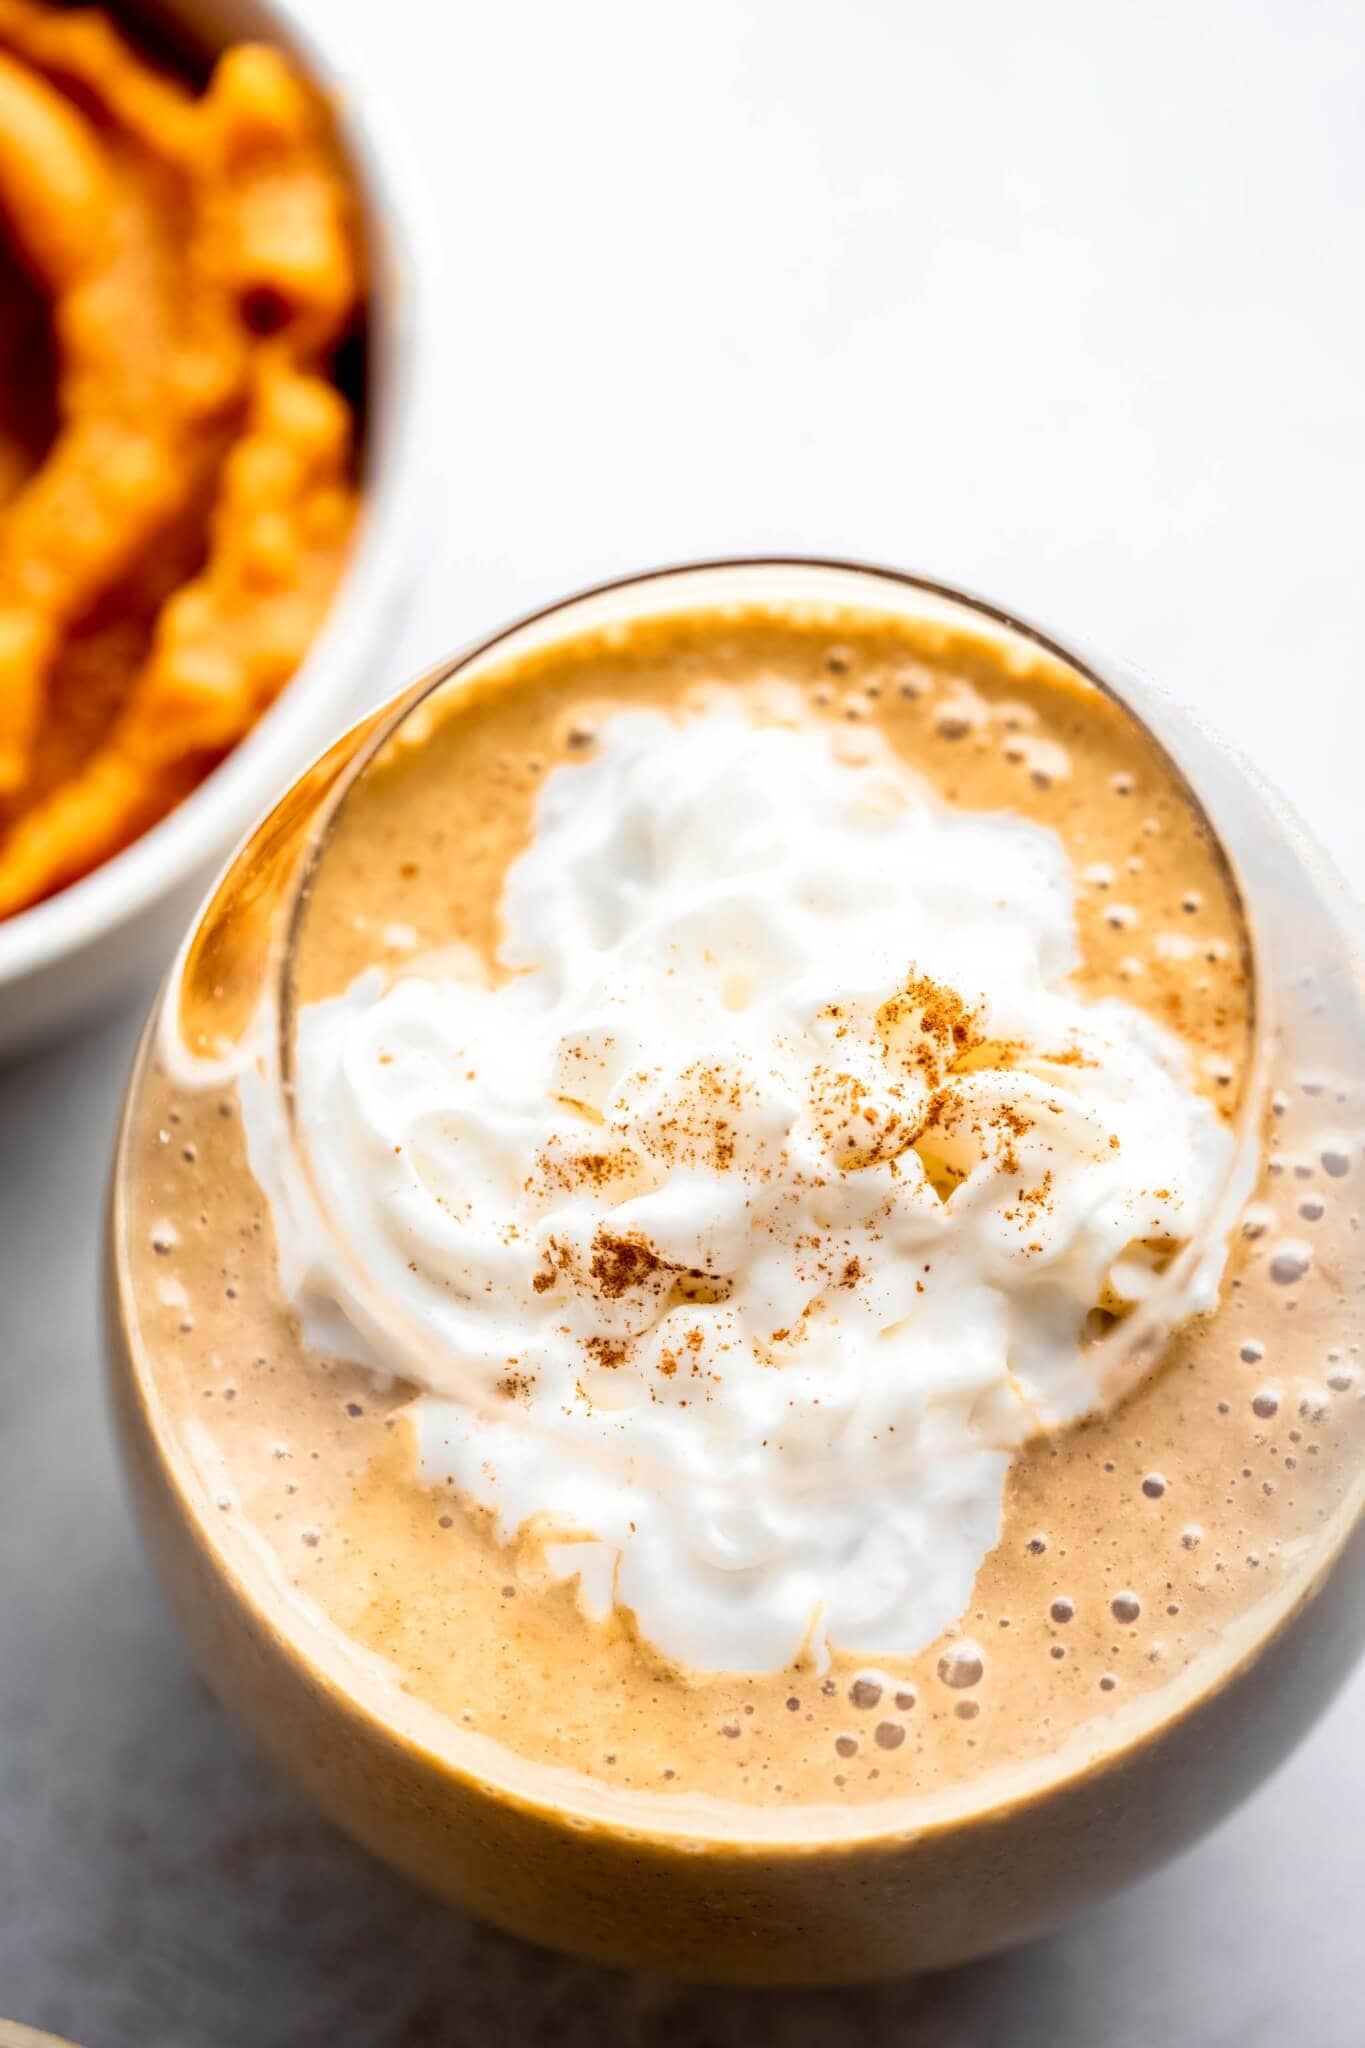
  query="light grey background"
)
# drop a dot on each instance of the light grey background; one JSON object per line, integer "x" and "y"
{"x": 1063, "y": 301}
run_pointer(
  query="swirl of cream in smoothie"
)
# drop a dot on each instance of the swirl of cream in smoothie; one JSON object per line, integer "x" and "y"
{"x": 778, "y": 1144}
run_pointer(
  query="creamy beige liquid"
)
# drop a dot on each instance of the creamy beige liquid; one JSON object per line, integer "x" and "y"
{"x": 1135, "y": 1547}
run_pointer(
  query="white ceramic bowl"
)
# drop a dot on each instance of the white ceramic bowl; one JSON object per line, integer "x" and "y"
{"x": 81, "y": 948}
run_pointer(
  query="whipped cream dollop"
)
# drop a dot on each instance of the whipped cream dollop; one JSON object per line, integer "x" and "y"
{"x": 745, "y": 1221}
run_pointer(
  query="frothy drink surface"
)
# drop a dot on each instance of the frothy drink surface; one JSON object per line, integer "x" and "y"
{"x": 1137, "y": 1548}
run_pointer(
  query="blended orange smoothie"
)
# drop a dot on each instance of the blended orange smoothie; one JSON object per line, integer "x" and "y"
{"x": 1145, "y": 1551}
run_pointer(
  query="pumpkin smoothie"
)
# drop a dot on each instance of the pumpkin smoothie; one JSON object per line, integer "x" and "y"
{"x": 771, "y": 1312}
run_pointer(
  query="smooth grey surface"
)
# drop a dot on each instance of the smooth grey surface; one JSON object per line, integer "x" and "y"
{"x": 161, "y": 1887}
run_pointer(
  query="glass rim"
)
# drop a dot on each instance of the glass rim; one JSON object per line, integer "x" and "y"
{"x": 1120, "y": 1358}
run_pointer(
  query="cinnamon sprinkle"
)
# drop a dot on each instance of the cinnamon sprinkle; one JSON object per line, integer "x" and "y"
{"x": 622, "y": 1262}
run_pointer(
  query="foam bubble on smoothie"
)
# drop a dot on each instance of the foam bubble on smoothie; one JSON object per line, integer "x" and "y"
{"x": 781, "y": 1149}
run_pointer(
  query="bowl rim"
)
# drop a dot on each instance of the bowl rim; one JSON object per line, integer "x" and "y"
{"x": 189, "y": 839}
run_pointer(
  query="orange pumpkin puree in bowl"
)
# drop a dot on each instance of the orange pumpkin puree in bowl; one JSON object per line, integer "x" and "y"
{"x": 178, "y": 271}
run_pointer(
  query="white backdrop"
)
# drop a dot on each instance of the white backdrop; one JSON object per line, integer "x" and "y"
{"x": 1064, "y": 301}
